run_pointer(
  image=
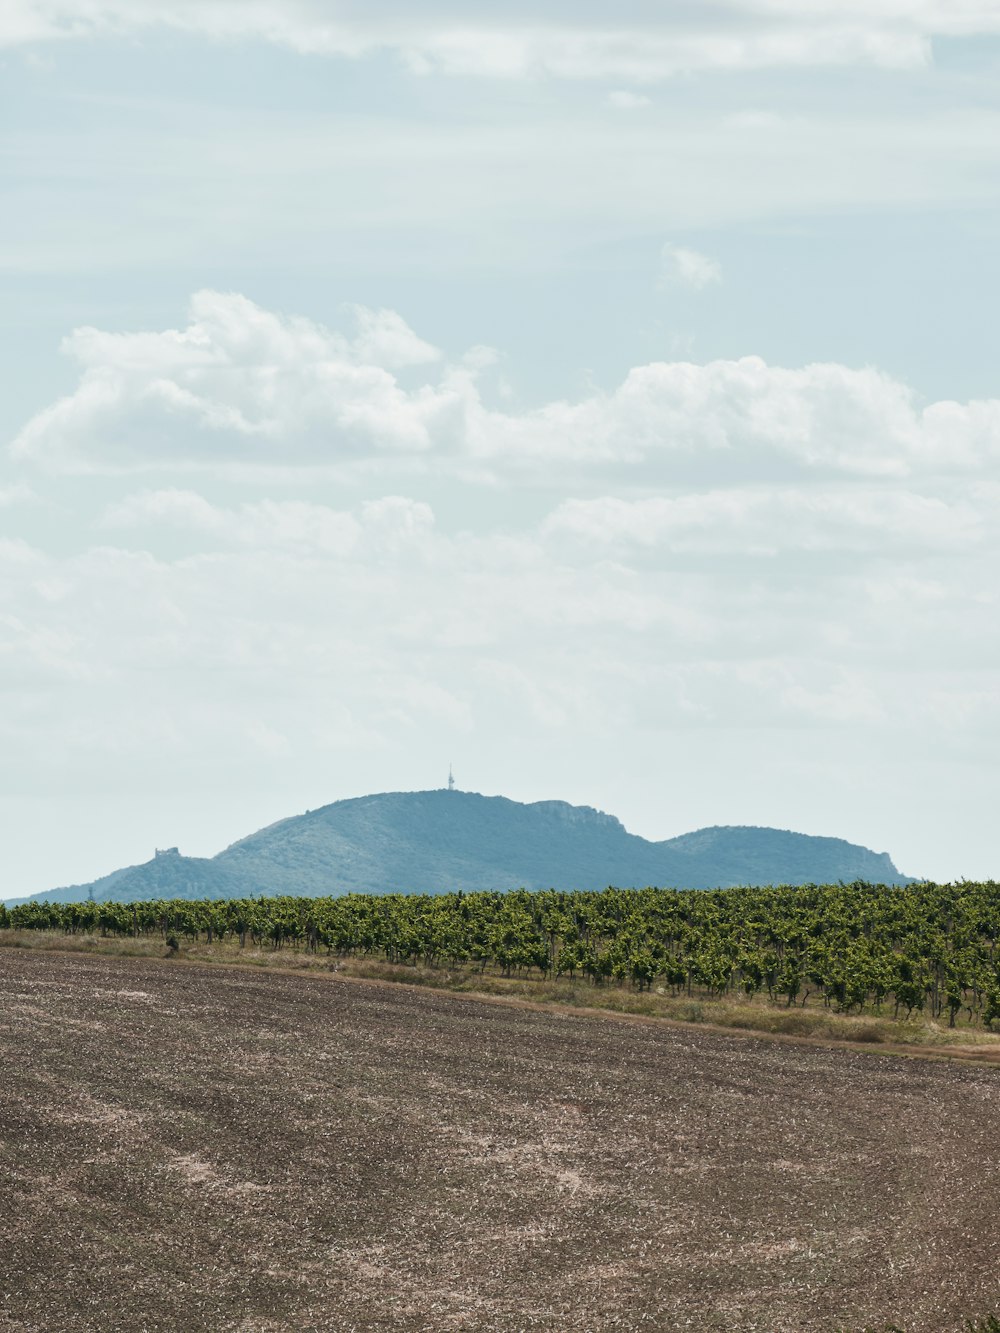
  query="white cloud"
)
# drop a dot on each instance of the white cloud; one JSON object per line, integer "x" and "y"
{"x": 754, "y": 121}
{"x": 687, "y": 268}
{"x": 241, "y": 386}
{"x": 18, "y": 493}
{"x": 17, "y": 554}
{"x": 385, "y": 339}
{"x": 765, "y": 522}
{"x": 625, "y": 101}
{"x": 384, "y": 526}
{"x": 242, "y": 380}
{"x": 943, "y": 17}
{"x": 563, "y": 42}
{"x": 375, "y": 613}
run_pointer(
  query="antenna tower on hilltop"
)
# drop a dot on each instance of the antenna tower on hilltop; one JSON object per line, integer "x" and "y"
{"x": 451, "y": 779}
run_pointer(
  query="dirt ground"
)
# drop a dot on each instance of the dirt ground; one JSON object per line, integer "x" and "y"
{"x": 205, "y": 1148}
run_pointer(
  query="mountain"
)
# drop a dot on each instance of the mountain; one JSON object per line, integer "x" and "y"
{"x": 435, "y": 841}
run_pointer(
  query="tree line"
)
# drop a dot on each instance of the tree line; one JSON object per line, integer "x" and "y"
{"x": 856, "y": 947}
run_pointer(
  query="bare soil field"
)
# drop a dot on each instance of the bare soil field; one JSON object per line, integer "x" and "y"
{"x": 187, "y": 1147}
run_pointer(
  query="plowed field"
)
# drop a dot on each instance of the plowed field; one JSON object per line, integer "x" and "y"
{"x": 206, "y": 1148}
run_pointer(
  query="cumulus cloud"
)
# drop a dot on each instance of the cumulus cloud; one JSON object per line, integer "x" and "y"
{"x": 242, "y": 380}
{"x": 243, "y": 386}
{"x": 682, "y": 267}
{"x": 443, "y": 37}
{"x": 385, "y": 339}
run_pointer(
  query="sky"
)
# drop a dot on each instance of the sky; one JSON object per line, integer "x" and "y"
{"x": 601, "y": 398}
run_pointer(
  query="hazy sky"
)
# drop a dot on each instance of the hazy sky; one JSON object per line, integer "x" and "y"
{"x": 604, "y": 398}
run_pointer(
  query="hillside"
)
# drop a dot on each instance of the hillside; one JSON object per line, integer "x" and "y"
{"x": 433, "y": 841}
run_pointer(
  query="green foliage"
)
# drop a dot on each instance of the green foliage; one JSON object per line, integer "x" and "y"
{"x": 857, "y": 947}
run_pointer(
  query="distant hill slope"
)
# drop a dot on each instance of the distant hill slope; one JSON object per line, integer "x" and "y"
{"x": 435, "y": 841}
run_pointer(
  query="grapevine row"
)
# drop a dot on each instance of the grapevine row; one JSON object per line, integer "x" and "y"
{"x": 857, "y": 947}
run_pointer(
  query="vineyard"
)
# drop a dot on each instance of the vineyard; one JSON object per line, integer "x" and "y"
{"x": 922, "y": 948}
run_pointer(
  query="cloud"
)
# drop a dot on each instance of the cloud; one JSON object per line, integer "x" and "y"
{"x": 383, "y": 526}
{"x": 564, "y": 42}
{"x": 18, "y": 493}
{"x": 240, "y": 380}
{"x": 755, "y": 121}
{"x": 242, "y": 387}
{"x": 626, "y": 101}
{"x": 836, "y": 520}
{"x": 344, "y": 628}
{"x": 385, "y": 339}
{"x": 687, "y": 268}
{"x": 845, "y": 521}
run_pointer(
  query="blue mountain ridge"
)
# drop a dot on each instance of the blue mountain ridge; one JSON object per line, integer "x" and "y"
{"x": 437, "y": 841}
